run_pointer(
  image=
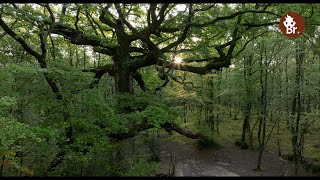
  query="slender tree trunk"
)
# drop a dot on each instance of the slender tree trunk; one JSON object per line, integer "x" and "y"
{"x": 247, "y": 111}
{"x": 53, "y": 54}
{"x": 70, "y": 56}
{"x": 309, "y": 103}
{"x": 99, "y": 59}
{"x": 271, "y": 93}
{"x": 229, "y": 94}
{"x": 201, "y": 105}
{"x": 263, "y": 109}
{"x": 318, "y": 103}
{"x": 251, "y": 133}
{"x": 185, "y": 111}
{"x": 210, "y": 108}
{"x": 286, "y": 89}
{"x": 278, "y": 138}
{"x": 206, "y": 112}
{"x": 219, "y": 87}
{"x": 218, "y": 121}
{"x": 77, "y": 57}
{"x": 279, "y": 113}
{"x": 84, "y": 58}
{"x": 296, "y": 108}
{"x": 185, "y": 105}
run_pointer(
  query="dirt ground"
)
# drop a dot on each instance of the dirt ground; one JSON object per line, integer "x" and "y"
{"x": 228, "y": 160}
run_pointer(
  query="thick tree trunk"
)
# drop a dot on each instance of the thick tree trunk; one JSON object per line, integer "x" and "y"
{"x": 123, "y": 79}
{"x": 123, "y": 73}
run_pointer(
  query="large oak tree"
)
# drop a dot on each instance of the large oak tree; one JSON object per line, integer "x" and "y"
{"x": 140, "y": 35}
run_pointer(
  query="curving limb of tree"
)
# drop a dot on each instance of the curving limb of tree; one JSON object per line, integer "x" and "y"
{"x": 150, "y": 50}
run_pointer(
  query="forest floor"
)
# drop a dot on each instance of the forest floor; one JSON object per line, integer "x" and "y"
{"x": 227, "y": 160}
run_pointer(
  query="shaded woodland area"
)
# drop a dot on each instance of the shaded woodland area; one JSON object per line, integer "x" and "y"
{"x": 84, "y": 86}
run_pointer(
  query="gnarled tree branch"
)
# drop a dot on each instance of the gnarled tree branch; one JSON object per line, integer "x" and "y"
{"x": 135, "y": 129}
{"x": 105, "y": 20}
{"x": 78, "y": 37}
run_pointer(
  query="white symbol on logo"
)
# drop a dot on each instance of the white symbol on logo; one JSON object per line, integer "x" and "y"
{"x": 289, "y": 23}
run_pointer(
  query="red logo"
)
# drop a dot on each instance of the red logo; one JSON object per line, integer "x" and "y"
{"x": 292, "y": 24}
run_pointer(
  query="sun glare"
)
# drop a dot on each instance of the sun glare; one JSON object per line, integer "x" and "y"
{"x": 177, "y": 60}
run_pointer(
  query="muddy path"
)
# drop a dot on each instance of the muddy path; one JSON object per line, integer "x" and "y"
{"x": 228, "y": 160}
